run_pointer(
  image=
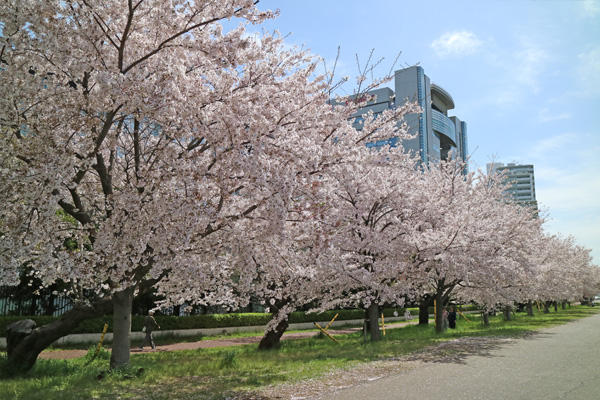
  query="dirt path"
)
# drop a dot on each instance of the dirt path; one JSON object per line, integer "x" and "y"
{"x": 204, "y": 344}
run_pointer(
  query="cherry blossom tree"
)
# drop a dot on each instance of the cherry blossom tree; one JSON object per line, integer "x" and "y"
{"x": 369, "y": 198}
{"x": 141, "y": 133}
{"x": 284, "y": 274}
{"x": 467, "y": 235}
{"x": 303, "y": 262}
{"x": 564, "y": 272}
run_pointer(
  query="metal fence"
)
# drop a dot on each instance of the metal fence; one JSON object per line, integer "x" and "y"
{"x": 58, "y": 305}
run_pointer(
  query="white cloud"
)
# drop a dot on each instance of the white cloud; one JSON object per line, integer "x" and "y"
{"x": 457, "y": 43}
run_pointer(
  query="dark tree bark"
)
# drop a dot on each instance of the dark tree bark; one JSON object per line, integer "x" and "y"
{"x": 373, "y": 316}
{"x": 33, "y": 306}
{"x": 22, "y": 351}
{"x": 424, "y": 305}
{"x": 508, "y": 313}
{"x": 49, "y": 307}
{"x": 18, "y": 331}
{"x": 177, "y": 311}
{"x": 530, "y": 308}
{"x": 273, "y": 336}
{"x": 555, "y": 306}
{"x": 486, "y": 318}
{"x": 564, "y": 305}
{"x": 546, "y": 307}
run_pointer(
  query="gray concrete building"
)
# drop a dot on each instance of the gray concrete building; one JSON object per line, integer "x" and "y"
{"x": 438, "y": 135}
{"x": 520, "y": 179}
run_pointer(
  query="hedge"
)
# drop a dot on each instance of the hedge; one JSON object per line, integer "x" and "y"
{"x": 170, "y": 322}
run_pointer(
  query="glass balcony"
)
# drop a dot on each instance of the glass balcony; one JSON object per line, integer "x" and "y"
{"x": 443, "y": 125}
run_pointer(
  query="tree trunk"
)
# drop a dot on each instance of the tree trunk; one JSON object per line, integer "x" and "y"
{"x": 123, "y": 304}
{"x": 373, "y": 315}
{"x": 486, "y": 318}
{"x": 273, "y": 336}
{"x": 530, "y": 308}
{"x": 22, "y": 352}
{"x": 49, "y": 307}
{"x": 555, "y": 306}
{"x": 508, "y": 313}
{"x": 564, "y": 305}
{"x": 424, "y": 311}
{"x": 546, "y": 309}
{"x": 33, "y": 309}
{"x": 439, "y": 311}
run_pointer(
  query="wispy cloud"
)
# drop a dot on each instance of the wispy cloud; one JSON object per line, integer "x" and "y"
{"x": 518, "y": 73}
{"x": 545, "y": 115}
{"x": 588, "y": 67}
{"x": 582, "y": 226}
{"x": 566, "y": 172}
{"x": 529, "y": 63}
{"x": 567, "y": 185}
{"x": 459, "y": 43}
{"x": 548, "y": 148}
{"x": 590, "y": 8}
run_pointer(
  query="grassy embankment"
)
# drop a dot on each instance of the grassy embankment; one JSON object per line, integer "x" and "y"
{"x": 220, "y": 373}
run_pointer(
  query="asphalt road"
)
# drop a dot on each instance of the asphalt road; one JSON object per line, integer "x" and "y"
{"x": 558, "y": 363}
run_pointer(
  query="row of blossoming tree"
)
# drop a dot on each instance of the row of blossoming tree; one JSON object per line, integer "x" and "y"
{"x": 144, "y": 146}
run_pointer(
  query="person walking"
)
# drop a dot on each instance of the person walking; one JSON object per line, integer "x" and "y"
{"x": 452, "y": 318}
{"x": 150, "y": 324}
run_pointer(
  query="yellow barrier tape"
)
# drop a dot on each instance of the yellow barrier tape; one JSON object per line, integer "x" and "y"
{"x": 331, "y": 322}
{"x": 463, "y": 315}
{"x": 101, "y": 339}
{"x": 325, "y": 332}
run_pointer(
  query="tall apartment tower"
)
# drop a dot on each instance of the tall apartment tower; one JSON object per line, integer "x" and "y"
{"x": 521, "y": 181}
{"x": 438, "y": 136}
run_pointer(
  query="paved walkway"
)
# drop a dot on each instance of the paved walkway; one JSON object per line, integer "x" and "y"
{"x": 203, "y": 344}
{"x": 560, "y": 363}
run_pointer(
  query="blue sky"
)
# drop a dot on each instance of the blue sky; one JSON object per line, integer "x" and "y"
{"x": 524, "y": 75}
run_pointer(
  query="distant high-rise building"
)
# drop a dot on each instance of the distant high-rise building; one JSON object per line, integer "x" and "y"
{"x": 521, "y": 181}
{"x": 437, "y": 135}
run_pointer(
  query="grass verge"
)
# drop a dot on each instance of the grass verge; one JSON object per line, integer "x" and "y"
{"x": 237, "y": 373}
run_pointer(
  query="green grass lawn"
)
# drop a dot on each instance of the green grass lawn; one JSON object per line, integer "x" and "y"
{"x": 221, "y": 373}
